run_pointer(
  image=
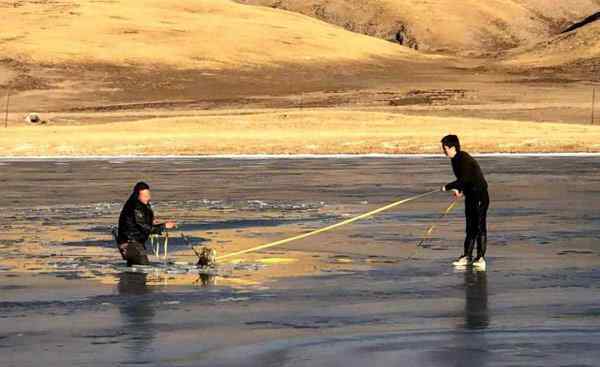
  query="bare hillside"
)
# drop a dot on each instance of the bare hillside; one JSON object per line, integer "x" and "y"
{"x": 576, "y": 50}
{"x": 468, "y": 27}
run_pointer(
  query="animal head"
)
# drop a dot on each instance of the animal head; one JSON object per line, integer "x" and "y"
{"x": 207, "y": 257}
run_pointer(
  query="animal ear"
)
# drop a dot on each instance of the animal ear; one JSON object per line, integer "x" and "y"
{"x": 196, "y": 252}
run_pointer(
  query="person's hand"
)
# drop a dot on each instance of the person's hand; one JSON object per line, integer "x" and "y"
{"x": 170, "y": 225}
{"x": 443, "y": 188}
{"x": 457, "y": 194}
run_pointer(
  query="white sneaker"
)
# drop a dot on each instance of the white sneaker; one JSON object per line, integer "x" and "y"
{"x": 461, "y": 261}
{"x": 479, "y": 263}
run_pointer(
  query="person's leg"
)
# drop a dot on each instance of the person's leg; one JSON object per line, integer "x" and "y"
{"x": 136, "y": 254}
{"x": 471, "y": 226}
{"x": 482, "y": 208}
{"x": 123, "y": 250}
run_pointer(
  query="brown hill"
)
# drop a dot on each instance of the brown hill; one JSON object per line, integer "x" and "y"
{"x": 468, "y": 26}
{"x": 577, "y": 50}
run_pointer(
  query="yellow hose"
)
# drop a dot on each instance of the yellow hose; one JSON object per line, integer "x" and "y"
{"x": 328, "y": 228}
{"x": 430, "y": 230}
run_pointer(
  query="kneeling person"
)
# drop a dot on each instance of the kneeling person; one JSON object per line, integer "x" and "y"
{"x": 136, "y": 224}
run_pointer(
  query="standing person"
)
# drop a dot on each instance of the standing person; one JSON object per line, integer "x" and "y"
{"x": 470, "y": 183}
{"x": 136, "y": 224}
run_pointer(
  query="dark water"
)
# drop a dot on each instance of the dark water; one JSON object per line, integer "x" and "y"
{"x": 537, "y": 305}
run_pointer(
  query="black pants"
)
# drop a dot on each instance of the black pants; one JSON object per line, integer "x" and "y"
{"x": 476, "y": 206}
{"x": 134, "y": 253}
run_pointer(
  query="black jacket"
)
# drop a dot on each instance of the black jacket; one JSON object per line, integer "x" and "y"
{"x": 469, "y": 178}
{"x": 136, "y": 222}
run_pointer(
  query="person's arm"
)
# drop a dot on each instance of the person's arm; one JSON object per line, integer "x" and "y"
{"x": 158, "y": 228}
{"x": 170, "y": 224}
{"x": 457, "y": 185}
{"x": 129, "y": 227}
{"x": 148, "y": 228}
{"x": 464, "y": 172}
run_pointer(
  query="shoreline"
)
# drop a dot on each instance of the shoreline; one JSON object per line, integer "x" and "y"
{"x": 285, "y": 156}
{"x": 303, "y": 134}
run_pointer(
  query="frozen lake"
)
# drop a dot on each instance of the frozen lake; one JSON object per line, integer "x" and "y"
{"x": 349, "y": 297}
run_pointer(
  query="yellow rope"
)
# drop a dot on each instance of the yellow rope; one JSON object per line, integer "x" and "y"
{"x": 155, "y": 243}
{"x": 328, "y": 228}
{"x": 426, "y": 236}
{"x": 166, "y": 244}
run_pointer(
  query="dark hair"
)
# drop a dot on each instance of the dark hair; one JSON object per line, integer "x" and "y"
{"x": 451, "y": 141}
{"x": 140, "y": 186}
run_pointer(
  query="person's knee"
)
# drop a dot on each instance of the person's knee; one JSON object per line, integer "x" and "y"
{"x": 482, "y": 227}
{"x": 472, "y": 227}
{"x": 135, "y": 254}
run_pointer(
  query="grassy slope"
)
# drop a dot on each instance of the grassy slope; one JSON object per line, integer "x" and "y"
{"x": 219, "y": 34}
{"x": 306, "y": 131}
{"x": 202, "y": 34}
{"x": 579, "y": 45}
{"x": 467, "y": 25}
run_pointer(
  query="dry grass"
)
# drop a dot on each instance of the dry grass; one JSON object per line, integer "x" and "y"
{"x": 202, "y": 34}
{"x": 575, "y": 46}
{"x": 296, "y": 132}
{"x": 466, "y": 25}
{"x": 188, "y": 39}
